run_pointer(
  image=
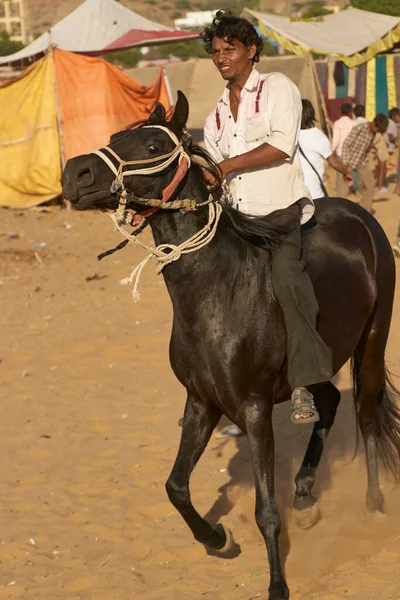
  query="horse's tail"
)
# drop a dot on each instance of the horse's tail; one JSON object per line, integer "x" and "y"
{"x": 388, "y": 419}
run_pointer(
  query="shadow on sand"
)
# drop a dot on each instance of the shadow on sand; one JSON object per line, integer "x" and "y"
{"x": 290, "y": 445}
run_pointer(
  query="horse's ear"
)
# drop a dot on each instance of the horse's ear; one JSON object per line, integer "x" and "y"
{"x": 158, "y": 113}
{"x": 181, "y": 113}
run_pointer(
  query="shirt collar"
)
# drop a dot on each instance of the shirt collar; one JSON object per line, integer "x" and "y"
{"x": 250, "y": 86}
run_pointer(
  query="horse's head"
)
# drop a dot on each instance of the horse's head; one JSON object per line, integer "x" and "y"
{"x": 151, "y": 149}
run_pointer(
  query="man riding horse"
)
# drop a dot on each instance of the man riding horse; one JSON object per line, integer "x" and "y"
{"x": 253, "y": 136}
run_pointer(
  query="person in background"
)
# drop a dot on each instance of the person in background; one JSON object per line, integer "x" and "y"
{"x": 356, "y": 153}
{"x": 380, "y": 150}
{"x": 315, "y": 148}
{"x": 359, "y": 113}
{"x": 340, "y": 131}
{"x": 341, "y": 128}
{"x": 391, "y": 133}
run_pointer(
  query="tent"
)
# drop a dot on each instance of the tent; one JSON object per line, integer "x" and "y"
{"x": 92, "y": 27}
{"x": 356, "y": 67}
{"x": 138, "y": 37}
{"x": 352, "y": 35}
{"x": 39, "y": 127}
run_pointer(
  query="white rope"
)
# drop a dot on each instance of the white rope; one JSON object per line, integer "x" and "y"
{"x": 194, "y": 243}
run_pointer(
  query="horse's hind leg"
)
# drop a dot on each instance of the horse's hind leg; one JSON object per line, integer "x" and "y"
{"x": 306, "y": 512}
{"x": 369, "y": 379}
{"x": 198, "y": 424}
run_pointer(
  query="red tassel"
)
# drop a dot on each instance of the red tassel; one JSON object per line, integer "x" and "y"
{"x": 260, "y": 87}
{"x": 218, "y": 119}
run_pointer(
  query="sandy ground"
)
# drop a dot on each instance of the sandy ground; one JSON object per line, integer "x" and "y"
{"x": 89, "y": 434}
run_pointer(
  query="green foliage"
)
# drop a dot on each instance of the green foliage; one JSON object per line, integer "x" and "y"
{"x": 316, "y": 11}
{"x": 268, "y": 49}
{"x": 8, "y": 46}
{"x": 181, "y": 4}
{"x": 386, "y": 7}
{"x": 126, "y": 58}
{"x": 183, "y": 50}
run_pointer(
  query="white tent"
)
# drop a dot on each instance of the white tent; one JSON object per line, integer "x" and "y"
{"x": 352, "y": 35}
{"x": 94, "y": 25}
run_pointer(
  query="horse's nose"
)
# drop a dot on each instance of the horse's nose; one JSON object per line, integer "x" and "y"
{"x": 85, "y": 176}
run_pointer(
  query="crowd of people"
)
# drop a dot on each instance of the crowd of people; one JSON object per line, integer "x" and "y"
{"x": 355, "y": 143}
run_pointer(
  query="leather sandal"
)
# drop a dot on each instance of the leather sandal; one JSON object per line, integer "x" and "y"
{"x": 302, "y": 402}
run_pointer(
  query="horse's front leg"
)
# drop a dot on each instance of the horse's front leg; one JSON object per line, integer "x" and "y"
{"x": 261, "y": 440}
{"x": 306, "y": 511}
{"x": 199, "y": 422}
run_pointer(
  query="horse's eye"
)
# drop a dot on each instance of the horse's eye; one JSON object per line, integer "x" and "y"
{"x": 153, "y": 149}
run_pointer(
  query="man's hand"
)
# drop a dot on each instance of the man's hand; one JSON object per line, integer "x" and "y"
{"x": 222, "y": 170}
{"x": 349, "y": 179}
{"x": 209, "y": 178}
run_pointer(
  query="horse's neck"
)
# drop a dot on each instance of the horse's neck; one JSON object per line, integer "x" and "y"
{"x": 193, "y": 269}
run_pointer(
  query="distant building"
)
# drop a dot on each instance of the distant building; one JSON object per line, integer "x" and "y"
{"x": 199, "y": 18}
{"x": 14, "y": 20}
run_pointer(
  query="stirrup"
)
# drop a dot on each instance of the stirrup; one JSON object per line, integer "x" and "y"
{"x": 302, "y": 402}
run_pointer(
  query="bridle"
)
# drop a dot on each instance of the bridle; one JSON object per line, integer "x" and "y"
{"x": 118, "y": 186}
{"x": 165, "y": 253}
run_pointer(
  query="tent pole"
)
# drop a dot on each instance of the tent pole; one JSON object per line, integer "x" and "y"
{"x": 66, "y": 203}
{"x": 322, "y": 99}
{"x": 168, "y": 86}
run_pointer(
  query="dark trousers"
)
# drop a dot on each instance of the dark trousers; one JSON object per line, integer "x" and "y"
{"x": 309, "y": 359}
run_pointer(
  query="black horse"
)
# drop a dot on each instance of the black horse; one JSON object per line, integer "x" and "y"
{"x": 228, "y": 342}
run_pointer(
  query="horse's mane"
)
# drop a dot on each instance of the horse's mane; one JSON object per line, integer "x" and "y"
{"x": 256, "y": 230}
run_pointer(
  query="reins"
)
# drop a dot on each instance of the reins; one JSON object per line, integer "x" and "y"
{"x": 164, "y": 253}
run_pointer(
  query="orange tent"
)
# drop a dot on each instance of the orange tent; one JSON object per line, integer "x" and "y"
{"x": 96, "y": 99}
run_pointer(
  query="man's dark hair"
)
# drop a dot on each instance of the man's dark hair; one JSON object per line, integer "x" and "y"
{"x": 308, "y": 115}
{"x": 226, "y": 26}
{"x": 359, "y": 110}
{"x": 393, "y": 112}
{"x": 346, "y": 109}
{"x": 381, "y": 121}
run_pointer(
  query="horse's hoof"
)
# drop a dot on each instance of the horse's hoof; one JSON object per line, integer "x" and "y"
{"x": 306, "y": 518}
{"x": 376, "y": 502}
{"x": 229, "y": 542}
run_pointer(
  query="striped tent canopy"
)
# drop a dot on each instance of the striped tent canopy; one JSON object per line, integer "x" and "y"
{"x": 375, "y": 84}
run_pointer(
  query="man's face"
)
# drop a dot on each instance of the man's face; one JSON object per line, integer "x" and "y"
{"x": 396, "y": 118}
{"x": 232, "y": 60}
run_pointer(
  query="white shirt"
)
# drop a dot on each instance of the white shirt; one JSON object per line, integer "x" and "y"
{"x": 317, "y": 148}
{"x": 269, "y": 112}
{"x": 359, "y": 120}
{"x": 340, "y": 130}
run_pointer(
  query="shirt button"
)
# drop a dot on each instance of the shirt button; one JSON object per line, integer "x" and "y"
{"x": 230, "y": 116}
{"x": 234, "y": 135}
{"x": 239, "y": 199}
{"x": 240, "y": 178}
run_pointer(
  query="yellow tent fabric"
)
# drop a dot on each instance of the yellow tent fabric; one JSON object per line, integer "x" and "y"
{"x": 352, "y": 35}
{"x": 30, "y": 167}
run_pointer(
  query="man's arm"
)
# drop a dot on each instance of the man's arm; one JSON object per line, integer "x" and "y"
{"x": 335, "y": 137}
{"x": 258, "y": 157}
{"x": 341, "y": 168}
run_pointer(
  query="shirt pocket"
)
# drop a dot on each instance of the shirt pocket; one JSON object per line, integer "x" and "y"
{"x": 257, "y": 129}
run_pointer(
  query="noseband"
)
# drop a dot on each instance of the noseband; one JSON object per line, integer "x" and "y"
{"x": 118, "y": 187}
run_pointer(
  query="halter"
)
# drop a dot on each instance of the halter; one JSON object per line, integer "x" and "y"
{"x": 118, "y": 187}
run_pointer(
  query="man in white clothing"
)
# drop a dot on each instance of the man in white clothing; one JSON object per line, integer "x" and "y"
{"x": 253, "y": 136}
